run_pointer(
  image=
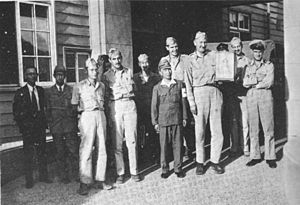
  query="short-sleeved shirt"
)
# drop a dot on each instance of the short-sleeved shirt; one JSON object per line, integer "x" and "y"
{"x": 119, "y": 83}
{"x": 88, "y": 96}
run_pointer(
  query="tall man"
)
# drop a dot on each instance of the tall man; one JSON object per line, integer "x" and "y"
{"x": 259, "y": 78}
{"x": 241, "y": 119}
{"x": 122, "y": 113}
{"x": 28, "y": 111}
{"x": 88, "y": 96}
{"x": 205, "y": 101}
{"x": 145, "y": 80}
{"x": 62, "y": 119}
{"x": 179, "y": 63}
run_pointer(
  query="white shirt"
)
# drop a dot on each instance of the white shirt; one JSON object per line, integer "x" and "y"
{"x": 167, "y": 83}
{"x": 30, "y": 88}
{"x": 62, "y": 87}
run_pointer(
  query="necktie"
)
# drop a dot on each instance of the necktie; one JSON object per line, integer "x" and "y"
{"x": 34, "y": 101}
{"x": 60, "y": 89}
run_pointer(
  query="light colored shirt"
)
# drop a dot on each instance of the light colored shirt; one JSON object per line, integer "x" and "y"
{"x": 167, "y": 83}
{"x": 88, "y": 96}
{"x": 30, "y": 88}
{"x": 62, "y": 87}
{"x": 119, "y": 84}
{"x": 178, "y": 65}
{"x": 260, "y": 76}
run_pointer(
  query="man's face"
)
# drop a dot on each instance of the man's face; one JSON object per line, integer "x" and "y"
{"x": 257, "y": 54}
{"x": 144, "y": 64}
{"x": 31, "y": 76}
{"x": 116, "y": 61}
{"x": 173, "y": 49}
{"x": 200, "y": 44}
{"x": 59, "y": 78}
{"x": 237, "y": 48}
{"x": 92, "y": 71}
{"x": 166, "y": 73}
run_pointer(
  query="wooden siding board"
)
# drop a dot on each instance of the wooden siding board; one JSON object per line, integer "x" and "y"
{"x": 76, "y": 20}
{"x": 68, "y": 8}
{"x": 6, "y": 107}
{"x": 7, "y": 119}
{"x": 75, "y": 2}
{"x": 72, "y": 30}
{"x": 4, "y": 97}
{"x": 72, "y": 40}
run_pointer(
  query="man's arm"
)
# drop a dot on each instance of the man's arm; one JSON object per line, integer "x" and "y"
{"x": 189, "y": 89}
{"x": 268, "y": 80}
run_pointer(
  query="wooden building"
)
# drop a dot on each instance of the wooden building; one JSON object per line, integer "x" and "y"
{"x": 46, "y": 33}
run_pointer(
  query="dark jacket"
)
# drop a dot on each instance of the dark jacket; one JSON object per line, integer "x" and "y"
{"x": 27, "y": 119}
{"x": 168, "y": 107}
{"x": 61, "y": 116}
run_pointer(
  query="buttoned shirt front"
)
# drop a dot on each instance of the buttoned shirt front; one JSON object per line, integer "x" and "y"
{"x": 30, "y": 88}
{"x": 259, "y": 75}
{"x": 88, "y": 96}
{"x": 119, "y": 84}
{"x": 242, "y": 62}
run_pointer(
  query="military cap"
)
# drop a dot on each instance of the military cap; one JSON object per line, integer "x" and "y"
{"x": 235, "y": 40}
{"x": 170, "y": 40}
{"x": 257, "y": 44}
{"x": 163, "y": 63}
{"x": 59, "y": 69}
{"x": 201, "y": 35}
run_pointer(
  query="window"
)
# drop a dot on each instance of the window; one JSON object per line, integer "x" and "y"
{"x": 74, "y": 61}
{"x": 29, "y": 39}
{"x": 239, "y": 25}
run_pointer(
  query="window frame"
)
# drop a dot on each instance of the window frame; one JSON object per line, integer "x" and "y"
{"x": 238, "y": 29}
{"x": 52, "y": 38}
{"x": 77, "y": 51}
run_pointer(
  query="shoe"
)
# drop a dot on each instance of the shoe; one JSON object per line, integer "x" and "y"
{"x": 46, "y": 180}
{"x": 65, "y": 180}
{"x": 164, "y": 175}
{"x": 120, "y": 179}
{"x": 136, "y": 178}
{"x": 217, "y": 168}
{"x": 253, "y": 162}
{"x": 246, "y": 153}
{"x": 180, "y": 174}
{"x": 83, "y": 189}
{"x": 272, "y": 163}
{"x": 200, "y": 169}
{"x": 29, "y": 185}
{"x": 102, "y": 185}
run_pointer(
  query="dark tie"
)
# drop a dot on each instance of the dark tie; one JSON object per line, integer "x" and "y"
{"x": 60, "y": 89}
{"x": 34, "y": 101}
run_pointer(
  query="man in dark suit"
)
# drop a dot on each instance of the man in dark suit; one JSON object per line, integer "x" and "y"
{"x": 28, "y": 110}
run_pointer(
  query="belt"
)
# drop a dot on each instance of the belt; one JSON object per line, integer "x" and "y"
{"x": 124, "y": 99}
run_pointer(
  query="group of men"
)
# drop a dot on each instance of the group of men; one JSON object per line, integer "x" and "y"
{"x": 177, "y": 104}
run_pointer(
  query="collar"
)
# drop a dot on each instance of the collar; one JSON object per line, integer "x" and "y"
{"x": 197, "y": 55}
{"x": 122, "y": 70}
{"x": 30, "y": 87}
{"x": 166, "y": 83}
{"x": 259, "y": 63}
{"x": 62, "y": 87}
{"x": 90, "y": 84}
{"x": 240, "y": 56}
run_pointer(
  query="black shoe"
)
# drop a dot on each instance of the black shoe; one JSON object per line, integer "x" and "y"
{"x": 136, "y": 178}
{"x": 164, "y": 175}
{"x": 120, "y": 179}
{"x": 199, "y": 169}
{"x": 46, "y": 180}
{"x": 253, "y": 162}
{"x": 83, "y": 189}
{"x": 217, "y": 168}
{"x": 180, "y": 174}
{"x": 29, "y": 185}
{"x": 65, "y": 180}
{"x": 272, "y": 163}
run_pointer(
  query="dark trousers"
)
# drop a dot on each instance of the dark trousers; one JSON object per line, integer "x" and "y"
{"x": 189, "y": 131}
{"x": 170, "y": 139}
{"x": 35, "y": 141}
{"x": 67, "y": 151}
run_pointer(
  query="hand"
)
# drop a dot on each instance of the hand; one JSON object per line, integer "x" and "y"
{"x": 194, "y": 110}
{"x": 184, "y": 122}
{"x": 156, "y": 127}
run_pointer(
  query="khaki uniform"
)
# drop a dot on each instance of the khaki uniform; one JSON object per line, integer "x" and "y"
{"x": 259, "y": 79}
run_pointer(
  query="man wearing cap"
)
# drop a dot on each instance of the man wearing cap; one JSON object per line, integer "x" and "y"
{"x": 205, "y": 101}
{"x": 88, "y": 98}
{"x": 28, "y": 111}
{"x": 62, "y": 120}
{"x": 179, "y": 63}
{"x": 145, "y": 80}
{"x": 122, "y": 113}
{"x": 237, "y": 102}
{"x": 168, "y": 110}
{"x": 259, "y": 78}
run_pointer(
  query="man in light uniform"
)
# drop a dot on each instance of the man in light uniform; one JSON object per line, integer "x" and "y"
{"x": 88, "y": 96}
{"x": 241, "y": 116}
{"x": 122, "y": 113}
{"x": 179, "y": 63}
{"x": 259, "y": 78}
{"x": 205, "y": 101}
